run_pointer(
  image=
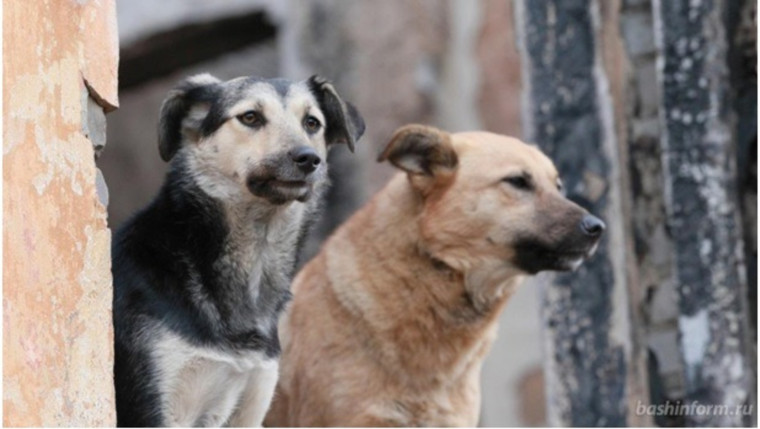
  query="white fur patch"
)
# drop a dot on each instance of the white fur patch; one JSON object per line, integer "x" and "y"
{"x": 202, "y": 79}
{"x": 202, "y": 386}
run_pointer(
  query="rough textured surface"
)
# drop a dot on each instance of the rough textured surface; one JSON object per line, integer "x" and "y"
{"x": 568, "y": 112}
{"x": 57, "y": 342}
{"x": 701, "y": 201}
{"x": 657, "y": 300}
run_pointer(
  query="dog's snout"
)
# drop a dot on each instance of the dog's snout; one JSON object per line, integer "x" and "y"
{"x": 592, "y": 226}
{"x": 305, "y": 158}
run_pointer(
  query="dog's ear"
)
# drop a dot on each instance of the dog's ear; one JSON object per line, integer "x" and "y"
{"x": 183, "y": 111}
{"x": 344, "y": 123}
{"x": 421, "y": 151}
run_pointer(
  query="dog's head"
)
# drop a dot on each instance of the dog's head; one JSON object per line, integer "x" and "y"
{"x": 251, "y": 136}
{"x": 489, "y": 199}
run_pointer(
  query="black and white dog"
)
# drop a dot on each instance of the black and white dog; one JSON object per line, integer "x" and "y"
{"x": 202, "y": 273}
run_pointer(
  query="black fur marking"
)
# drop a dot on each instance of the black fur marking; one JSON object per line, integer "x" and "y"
{"x": 355, "y": 118}
{"x": 167, "y": 273}
{"x": 134, "y": 363}
{"x": 216, "y": 117}
{"x": 534, "y": 255}
{"x": 343, "y": 124}
{"x": 174, "y": 110}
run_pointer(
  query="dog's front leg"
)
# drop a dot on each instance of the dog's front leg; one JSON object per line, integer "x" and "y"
{"x": 257, "y": 396}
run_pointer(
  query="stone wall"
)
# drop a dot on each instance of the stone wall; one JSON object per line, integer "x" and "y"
{"x": 60, "y": 62}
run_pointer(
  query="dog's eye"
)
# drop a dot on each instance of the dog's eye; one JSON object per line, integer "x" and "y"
{"x": 311, "y": 124}
{"x": 519, "y": 182}
{"x": 251, "y": 119}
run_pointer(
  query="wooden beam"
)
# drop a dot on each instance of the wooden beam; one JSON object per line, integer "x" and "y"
{"x": 167, "y": 52}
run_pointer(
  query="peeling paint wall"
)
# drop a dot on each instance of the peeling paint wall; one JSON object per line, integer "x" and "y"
{"x": 60, "y": 65}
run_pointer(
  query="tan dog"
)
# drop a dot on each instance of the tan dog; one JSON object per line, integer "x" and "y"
{"x": 392, "y": 320}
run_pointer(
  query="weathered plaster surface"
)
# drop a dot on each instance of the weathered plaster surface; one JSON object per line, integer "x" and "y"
{"x": 57, "y": 342}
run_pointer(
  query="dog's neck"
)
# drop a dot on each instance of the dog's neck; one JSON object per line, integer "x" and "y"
{"x": 448, "y": 317}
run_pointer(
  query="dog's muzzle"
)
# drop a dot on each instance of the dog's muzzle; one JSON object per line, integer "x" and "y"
{"x": 287, "y": 176}
{"x": 533, "y": 254}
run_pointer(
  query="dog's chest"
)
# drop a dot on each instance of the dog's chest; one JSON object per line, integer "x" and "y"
{"x": 258, "y": 251}
{"x": 199, "y": 385}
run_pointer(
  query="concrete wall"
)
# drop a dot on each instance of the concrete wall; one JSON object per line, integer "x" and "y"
{"x": 60, "y": 61}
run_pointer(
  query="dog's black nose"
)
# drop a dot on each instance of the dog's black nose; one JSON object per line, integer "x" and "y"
{"x": 305, "y": 158}
{"x": 592, "y": 226}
